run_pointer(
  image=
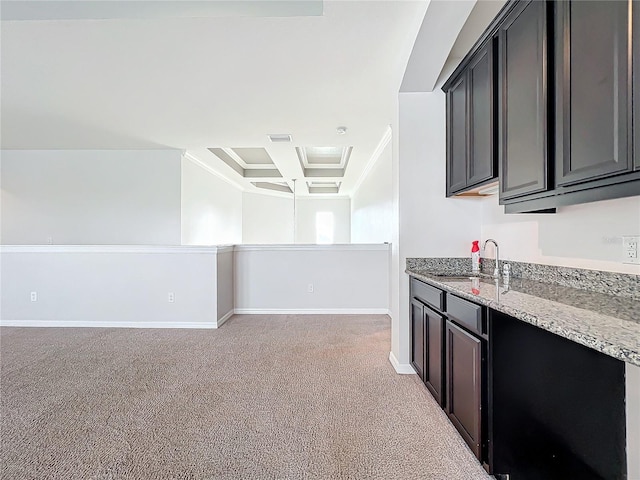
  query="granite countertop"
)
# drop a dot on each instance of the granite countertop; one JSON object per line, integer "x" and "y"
{"x": 607, "y": 323}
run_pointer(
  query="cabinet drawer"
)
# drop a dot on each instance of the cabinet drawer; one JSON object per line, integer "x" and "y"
{"x": 427, "y": 294}
{"x": 466, "y": 313}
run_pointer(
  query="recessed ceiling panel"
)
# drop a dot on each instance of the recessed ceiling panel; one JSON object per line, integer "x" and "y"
{"x": 323, "y": 187}
{"x": 254, "y": 156}
{"x": 246, "y": 170}
{"x": 324, "y": 155}
{"x": 324, "y": 161}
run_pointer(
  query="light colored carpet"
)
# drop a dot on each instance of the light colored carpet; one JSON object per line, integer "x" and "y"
{"x": 263, "y": 397}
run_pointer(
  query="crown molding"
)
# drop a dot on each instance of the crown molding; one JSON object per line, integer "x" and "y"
{"x": 375, "y": 156}
{"x": 204, "y": 166}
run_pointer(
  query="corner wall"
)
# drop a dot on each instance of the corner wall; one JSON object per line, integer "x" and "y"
{"x": 211, "y": 208}
{"x": 372, "y": 204}
{"x": 430, "y": 225}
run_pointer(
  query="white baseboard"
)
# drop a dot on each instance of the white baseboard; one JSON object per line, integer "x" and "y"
{"x": 312, "y": 311}
{"x": 224, "y": 318}
{"x": 401, "y": 368}
{"x": 110, "y": 324}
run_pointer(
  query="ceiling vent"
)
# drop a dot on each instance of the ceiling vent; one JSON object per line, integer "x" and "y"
{"x": 280, "y": 138}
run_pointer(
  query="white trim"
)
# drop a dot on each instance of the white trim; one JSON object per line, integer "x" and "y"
{"x": 224, "y": 318}
{"x": 206, "y": 167}
{"x": 401, "y": 368}
{"x": 632, "y": 397}
{"x": 312, "y": 311}
{"x": 110, "y": 249}
{"x": 102, "y": 324}
{"x": 333, "y": 247}
{"x": 384, "y": 141}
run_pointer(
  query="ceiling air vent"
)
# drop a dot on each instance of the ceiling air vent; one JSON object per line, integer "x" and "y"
{"x": 280, "y": 138}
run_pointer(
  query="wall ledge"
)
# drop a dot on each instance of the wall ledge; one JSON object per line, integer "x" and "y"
{"x": 313, "y": 247}
{"x": 112, "y": 249}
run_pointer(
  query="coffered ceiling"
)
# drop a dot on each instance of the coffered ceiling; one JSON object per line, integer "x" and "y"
{"x": 211, "y": 81}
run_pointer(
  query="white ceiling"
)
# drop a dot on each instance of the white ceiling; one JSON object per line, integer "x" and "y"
{"x": 219, "y": 81}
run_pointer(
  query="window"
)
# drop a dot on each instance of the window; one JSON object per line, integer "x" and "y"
{"x": 324, "y": 227}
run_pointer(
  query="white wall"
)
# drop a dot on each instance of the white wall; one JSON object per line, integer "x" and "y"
{"x": 345, "y": 278}
{"x": 430, "y": 225}
{"x": 90, "y": 197}
{"x": 307, "y": 208}
{"x": 372, "y": 212}
{"x": 211, "y": 208}
{"x": 225, "y": 282}
{"x": 267, "y": 219}
{"x": 583, "y": 236}
{"x": 109, "y": 286}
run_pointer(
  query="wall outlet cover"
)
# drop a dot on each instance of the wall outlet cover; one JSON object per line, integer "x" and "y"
{"x": 630, "y": 249}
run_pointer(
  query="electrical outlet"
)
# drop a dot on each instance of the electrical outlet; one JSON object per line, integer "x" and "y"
{"x": 630, "y": 251}
{"x": 171, "y": 297}
{"x": 34, "y": 296}
{"x": 50, "y": 240}
{"x": 310, "y": 288}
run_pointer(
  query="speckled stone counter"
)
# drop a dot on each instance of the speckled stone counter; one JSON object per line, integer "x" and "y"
{"x": 607, "y": 323}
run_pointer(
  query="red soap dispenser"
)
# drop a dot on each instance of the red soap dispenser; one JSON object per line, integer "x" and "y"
{"x": 475, "y": 257}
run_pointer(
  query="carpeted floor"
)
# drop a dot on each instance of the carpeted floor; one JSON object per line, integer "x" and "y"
{"x": 263, "y": 397}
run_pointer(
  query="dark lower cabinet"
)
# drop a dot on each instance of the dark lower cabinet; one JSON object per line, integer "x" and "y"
{"x": 464, "y": 365}
{"x": 427, "y": 329}
{"x": 434, "y": 368}
{"x": 417, "y": 333}
{"x": 557, "y": 407}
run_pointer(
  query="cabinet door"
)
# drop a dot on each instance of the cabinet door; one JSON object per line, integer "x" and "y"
{"x": 482, "y": 164}
{"x": 417, "y": 332}
{"x": 433, "y": 372}
{"x": 522, "y": 79}
{"x": 457, "y": 136}
{"x": 464, "y": 385}
{"x": 593, "y": 137}
{"x": 636, "y": 83}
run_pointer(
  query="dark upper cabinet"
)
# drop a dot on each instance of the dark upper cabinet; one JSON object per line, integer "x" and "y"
{"x": 471, "y": 156}
{"x": 417, "y": 332}
{"x": 593, "y": 91}
{"x": 433, "y": 372}
{"x": 565, "y": 112}
{"x": 482, "y": 163}
{"x": 457, "y": 136}
{"x": 464, "y": 385}
{"x": 522, "y": 78}
{"x": 636, "y": 84}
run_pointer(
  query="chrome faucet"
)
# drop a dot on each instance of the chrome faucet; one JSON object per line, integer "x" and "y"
{"x": 496, "y": 271}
